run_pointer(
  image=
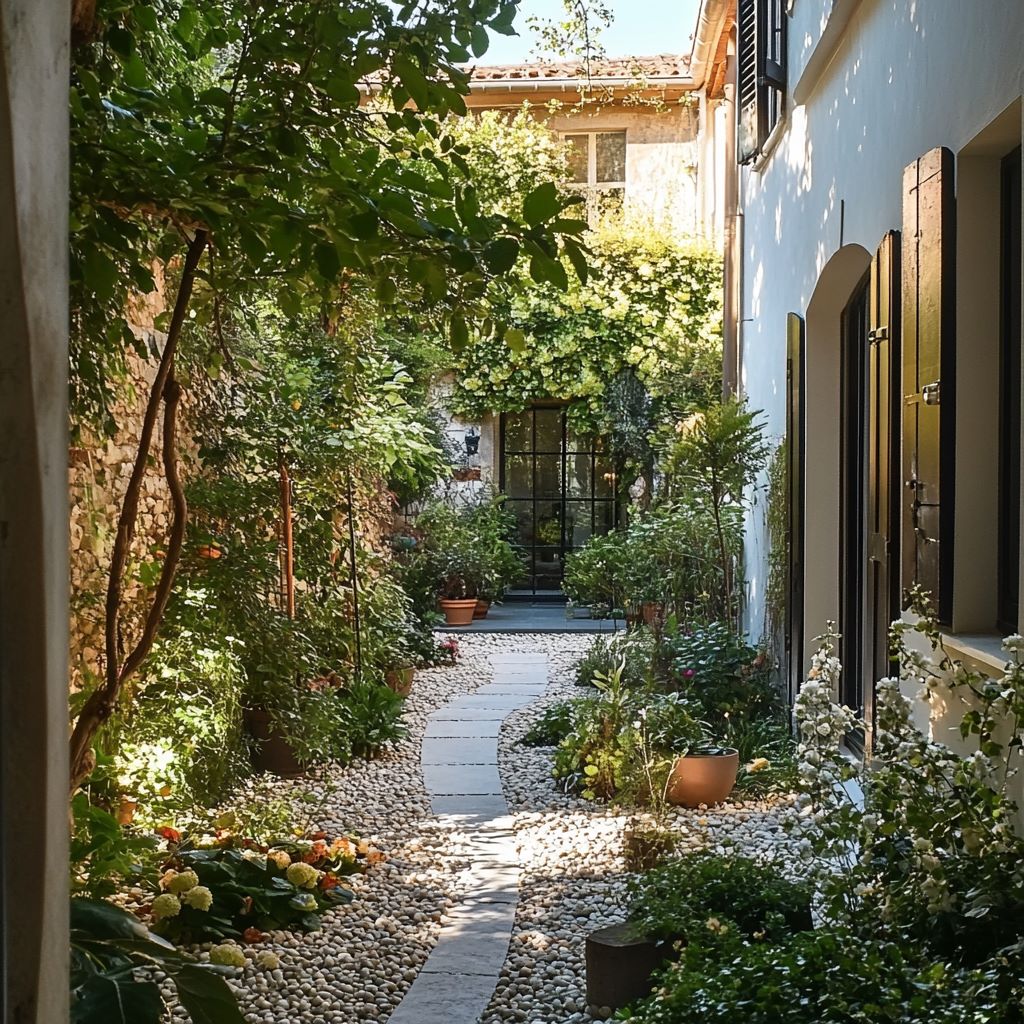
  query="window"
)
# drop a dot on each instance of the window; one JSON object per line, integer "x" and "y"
{"x": 761, "y": 44}
{"x": 597, "y": 163}
{"x": 1009, "y": 394}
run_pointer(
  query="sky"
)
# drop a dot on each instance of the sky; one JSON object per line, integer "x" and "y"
{"x": 641, "y": 27}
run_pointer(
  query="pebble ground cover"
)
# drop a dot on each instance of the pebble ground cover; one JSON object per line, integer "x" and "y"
{"x": 358, "y": 967}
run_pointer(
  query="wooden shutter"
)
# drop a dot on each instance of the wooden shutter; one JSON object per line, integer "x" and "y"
{"x": 761, "y": 58}
{"x": 749, "y": 112}
{"x": 928, "y": 375}
{"x": 882, "y": 509}
{"x": 795, "y": 474}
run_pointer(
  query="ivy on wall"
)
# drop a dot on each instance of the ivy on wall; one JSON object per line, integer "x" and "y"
{"x": 650, "y": 308}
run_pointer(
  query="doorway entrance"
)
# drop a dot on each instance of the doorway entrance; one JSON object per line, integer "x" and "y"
{"x": 869, "y": 457}
{"x": 560, "y": 486}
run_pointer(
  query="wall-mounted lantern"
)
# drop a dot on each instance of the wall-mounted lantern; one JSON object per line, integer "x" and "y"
{"x": 472, "y": 441}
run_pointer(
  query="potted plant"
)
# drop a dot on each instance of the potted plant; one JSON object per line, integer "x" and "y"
{"x": 400, "y": 679}
{"x": 703, "y": 775}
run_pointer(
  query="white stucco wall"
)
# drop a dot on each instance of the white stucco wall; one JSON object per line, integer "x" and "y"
{"x": 901, "y": 77}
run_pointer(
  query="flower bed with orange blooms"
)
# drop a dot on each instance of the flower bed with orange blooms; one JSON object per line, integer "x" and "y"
{"x": 233, "y": 887}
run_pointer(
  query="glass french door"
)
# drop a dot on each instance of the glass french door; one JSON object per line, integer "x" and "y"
{"x": 561, "y": 488}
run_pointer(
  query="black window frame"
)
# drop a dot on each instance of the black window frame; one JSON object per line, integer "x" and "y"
{"x": 761, "y": 60}
{"x": 1008, "y": 530}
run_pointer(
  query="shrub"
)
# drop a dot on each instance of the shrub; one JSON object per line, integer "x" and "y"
{"x": 828, "y": 976}
{"x": 179, "y": 743}
{"x": 616, "y": 735}
{"x": 596, "y": 573}
{"x": 767, "y": 755}
{"x": 633, "y": 650}
{"x": 241, "y": 890}
{"x": 553, "y": 726}
{"x": 676, "y": 900}
{"x": 372, "y": 717}
{"x": 721, "y": 674}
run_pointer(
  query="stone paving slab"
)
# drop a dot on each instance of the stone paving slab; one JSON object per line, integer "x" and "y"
{"x": 474, "y": 940}
{"x": 460, "y": 750}
{"x": 514, "y": 689}
{"x": 445, "y": 999}
{"x": 459, "y": 779}
{"x": 451, "y": 728}
{"x": 482, "y": 712}
{"x": 464, "y": 811}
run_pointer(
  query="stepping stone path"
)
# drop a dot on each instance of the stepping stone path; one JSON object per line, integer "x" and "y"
{"x": 460, "y": 769}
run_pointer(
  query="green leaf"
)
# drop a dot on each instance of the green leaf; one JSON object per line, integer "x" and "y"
{"x": 459, "y": 333}
{"x": 515, "y": 339}
{"x": 501, "y": 254}
{"x": 578, "y": 261}
{"x": 480, "y": 40}
{"x": 135, "y": 73}
{"x": 541, "y": 204}
{"x": 387, "y": 291}
{"x": 544, "y": 269}
{"x": 206, "y": 996}
{"x": 107, "y": 999}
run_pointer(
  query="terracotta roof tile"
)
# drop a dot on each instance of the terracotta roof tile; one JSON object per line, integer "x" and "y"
{"x": 629, "y": 69}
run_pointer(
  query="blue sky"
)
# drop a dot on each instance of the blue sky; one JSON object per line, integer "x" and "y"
{"x": 640, "y": 27}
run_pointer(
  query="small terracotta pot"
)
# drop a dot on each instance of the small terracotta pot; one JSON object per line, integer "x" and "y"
{"x": 126, "y": 810}
{"x": 458, "y": 613}
{"x": 703, "y": 778}
{"x": 271, "y": 752}
{"x": 400, "y": 680}
{"x": 209, "y": 551}
{"x": 652, "y": 612}
{"x": 482, "y": 608}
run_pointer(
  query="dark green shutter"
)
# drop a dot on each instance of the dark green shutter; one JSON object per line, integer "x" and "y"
{"x": 749, "y": 111}
{"x": 795, "y": 475}
{"x": 928, "y": 375}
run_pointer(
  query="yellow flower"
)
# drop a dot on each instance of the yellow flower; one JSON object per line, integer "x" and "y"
{"x": 198, "y": 897}
{"x": 279, "y": 857}
{"x": 166, "y": 905}
{"x": 758, "y": 764}
{"x": 228, "y": 955}
{"x": 183, "y": 881}
{"x": 304, "y": 876}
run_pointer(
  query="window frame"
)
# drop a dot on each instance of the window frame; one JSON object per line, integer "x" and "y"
{"x": 591, "y": 135}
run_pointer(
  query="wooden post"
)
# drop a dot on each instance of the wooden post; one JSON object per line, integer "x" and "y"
{"x": 288, "y": 560}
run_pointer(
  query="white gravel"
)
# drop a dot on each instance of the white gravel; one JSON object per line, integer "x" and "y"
{"x": 357, "y": 968}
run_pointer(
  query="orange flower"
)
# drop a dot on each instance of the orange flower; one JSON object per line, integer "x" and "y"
{"x": 172, "y": 835}
{"x": 319, "y": 849}
{"x": 252, "y": 935}
{"x": 375, "y": 857}
{"x": 329, "y": 881}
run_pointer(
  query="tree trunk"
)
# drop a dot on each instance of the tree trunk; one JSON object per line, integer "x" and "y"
{"x": 165, "y": 389}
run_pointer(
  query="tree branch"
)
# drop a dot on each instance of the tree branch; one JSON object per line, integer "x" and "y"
{"x": 102, "y": 702}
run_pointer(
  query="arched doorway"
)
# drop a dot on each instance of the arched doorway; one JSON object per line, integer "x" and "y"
{"x": 853, "y": 406}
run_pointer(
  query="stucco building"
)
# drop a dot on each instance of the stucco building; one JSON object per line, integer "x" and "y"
{"x": 874, "y": 311}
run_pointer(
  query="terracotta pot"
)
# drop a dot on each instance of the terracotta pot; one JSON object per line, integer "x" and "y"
{"x": 209, "y": 551}
{"x": 458, "y": 613}
{"x": 126, "y": 810}
{"x": 271, "y": 752}
{"x": 482, "y": 608}
{"x": 652, "y": 612}
{"x": 400, "y": 680}
{"x": 703, "y": 778}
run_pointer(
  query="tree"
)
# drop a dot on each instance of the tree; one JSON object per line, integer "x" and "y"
{"x": 229, "y": 144}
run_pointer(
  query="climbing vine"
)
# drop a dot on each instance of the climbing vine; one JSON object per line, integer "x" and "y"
{"x": 650, "y": 307}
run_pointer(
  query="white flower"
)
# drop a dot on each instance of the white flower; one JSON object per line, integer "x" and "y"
{"x": 227, "y": 954}
{"x": 166, "y": 905}
{"x": 268, "y": 960}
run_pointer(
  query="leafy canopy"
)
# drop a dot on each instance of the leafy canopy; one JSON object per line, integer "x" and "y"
{"x": 252, "y": 121}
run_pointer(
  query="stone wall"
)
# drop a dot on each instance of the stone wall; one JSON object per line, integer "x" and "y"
{"x": 98, "y": 473}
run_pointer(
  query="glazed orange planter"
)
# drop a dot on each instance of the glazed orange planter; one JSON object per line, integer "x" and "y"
{"x": 703, "y": 778}
{"x": 458, "y": 613}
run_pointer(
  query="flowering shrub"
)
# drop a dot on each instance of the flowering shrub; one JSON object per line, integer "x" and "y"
{"x": 243, "y": 890}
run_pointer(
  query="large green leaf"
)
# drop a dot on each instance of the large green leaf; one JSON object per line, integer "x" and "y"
{"x": 106, "y": 999}
{"x": 206, "y": 996}
{"x": 541, "y": 204}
